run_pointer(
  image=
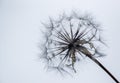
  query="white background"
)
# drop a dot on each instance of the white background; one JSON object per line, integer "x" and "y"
{"x": 20, "y": 24}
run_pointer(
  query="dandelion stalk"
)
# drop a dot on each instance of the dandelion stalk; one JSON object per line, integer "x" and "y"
{"x": 99, "y": 64}
{"x": 86, "y": 52}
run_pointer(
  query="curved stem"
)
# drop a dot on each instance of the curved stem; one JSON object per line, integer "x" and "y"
{"x": 99, "y": 64}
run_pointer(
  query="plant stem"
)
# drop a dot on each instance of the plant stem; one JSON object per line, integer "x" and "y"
{"x": 99, "y": 64}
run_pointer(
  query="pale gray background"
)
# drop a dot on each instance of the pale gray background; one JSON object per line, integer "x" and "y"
{"x": 20, "y": 34}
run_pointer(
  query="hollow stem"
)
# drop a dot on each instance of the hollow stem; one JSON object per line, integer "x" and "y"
{"x": 99, "y": 64}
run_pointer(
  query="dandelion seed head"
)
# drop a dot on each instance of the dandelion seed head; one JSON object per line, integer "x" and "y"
{"x": 69, "y": 39}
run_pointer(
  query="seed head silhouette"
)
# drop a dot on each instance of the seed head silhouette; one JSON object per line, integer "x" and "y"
{"x": 71, "y": 38}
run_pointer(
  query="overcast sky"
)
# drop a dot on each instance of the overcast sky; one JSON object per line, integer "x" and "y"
{"x": 20, "y": 24}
